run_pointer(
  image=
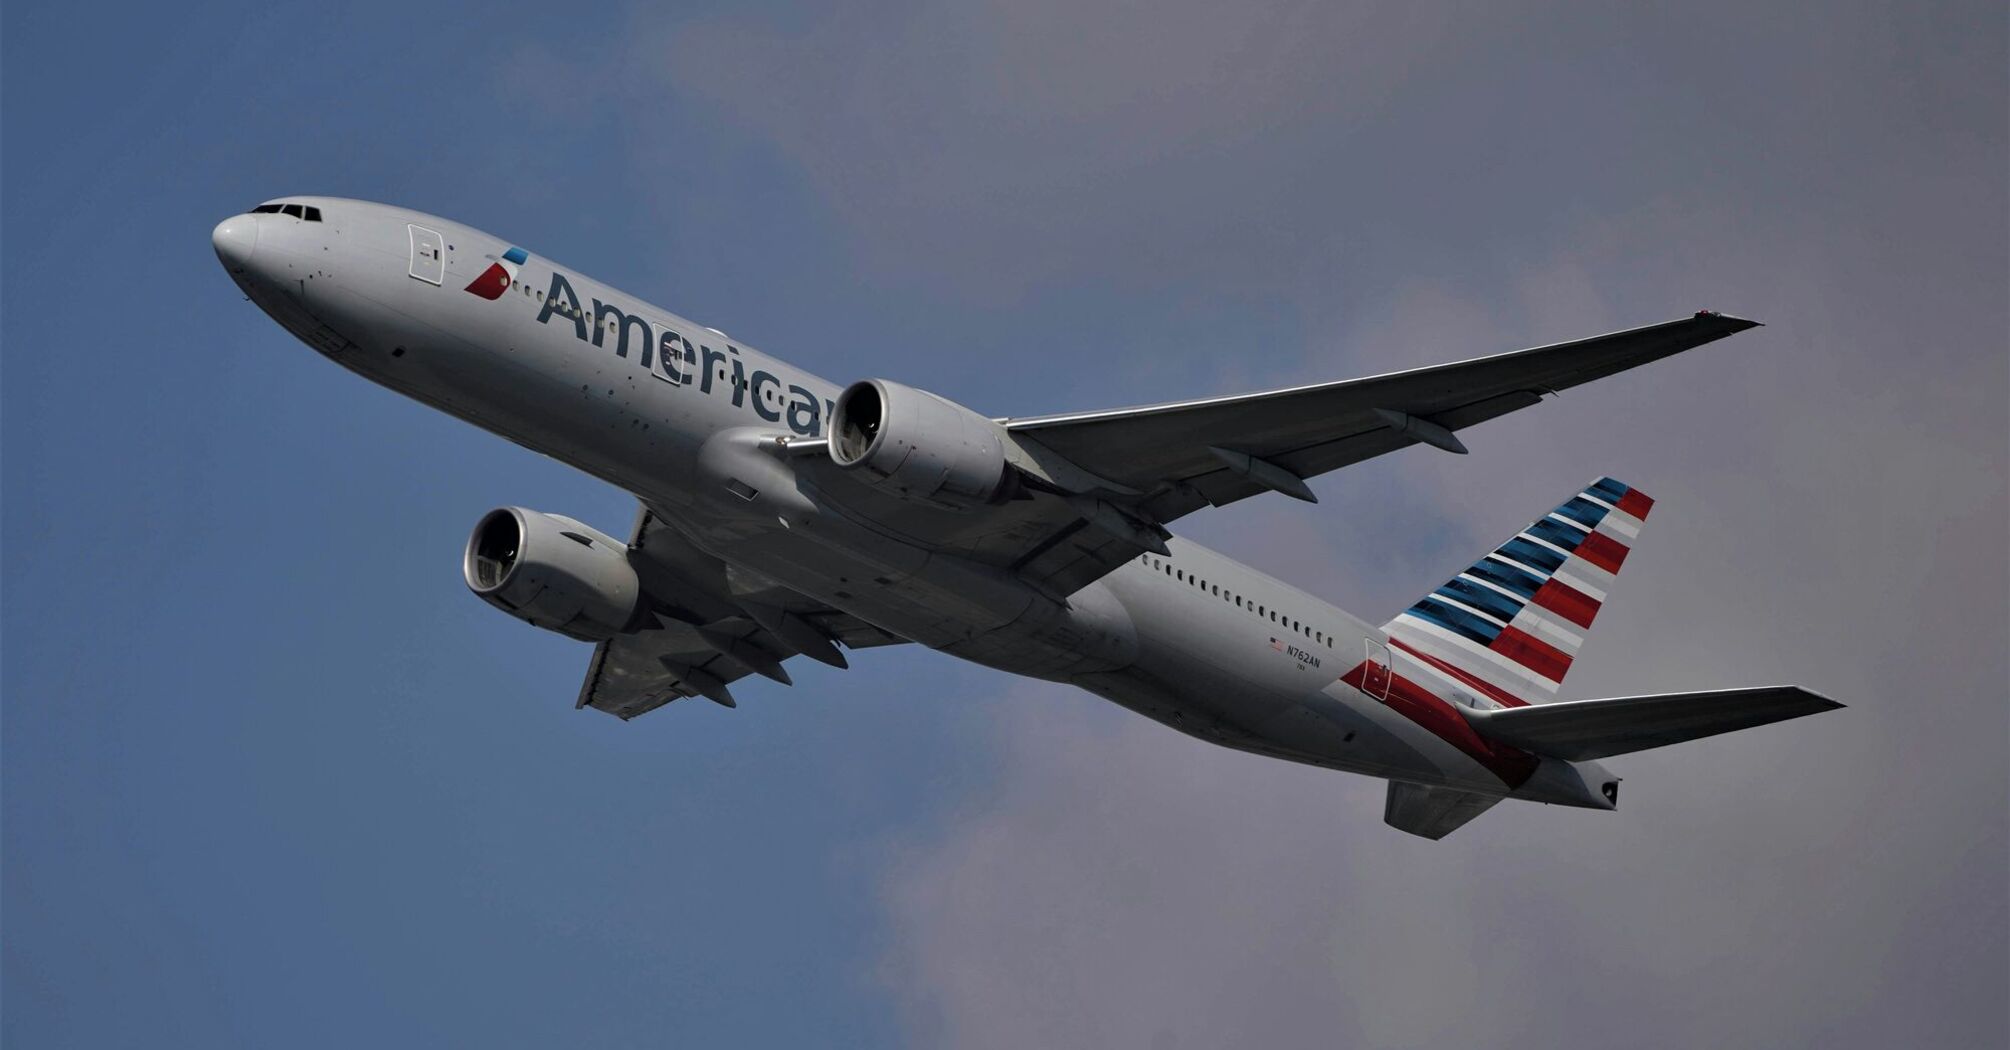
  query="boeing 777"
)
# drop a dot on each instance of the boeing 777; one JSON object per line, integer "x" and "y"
{"x": 782, "y": 515}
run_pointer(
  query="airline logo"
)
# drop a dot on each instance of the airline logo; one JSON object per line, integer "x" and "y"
{"x": 1517, "y": 618}
{"x": 496, "y": 280}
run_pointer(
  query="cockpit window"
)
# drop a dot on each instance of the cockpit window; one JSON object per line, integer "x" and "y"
{"x": 299, "y": 211}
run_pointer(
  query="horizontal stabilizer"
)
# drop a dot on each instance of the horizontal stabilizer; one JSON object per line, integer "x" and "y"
{"x": 1432, "y": 812}
{"x": 1586, "y": 729}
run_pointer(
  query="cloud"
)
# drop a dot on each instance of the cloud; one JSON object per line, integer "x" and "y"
{"x": 1408, "y": 186}
{"x": 1837, "y": 879}
{"x": 999, "y": 147}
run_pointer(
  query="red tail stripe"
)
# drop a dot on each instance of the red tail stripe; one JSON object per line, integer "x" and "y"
{"x": 1603, "y": 551}
{"x": 1463, "y": 675}
{"x": 1568, "y": 602}
{"x": 1636, "y": 503}
{"x": 1525, "y": 649}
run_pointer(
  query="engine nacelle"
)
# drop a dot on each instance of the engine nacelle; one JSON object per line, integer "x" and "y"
{"x": 552, "y": 572}
{"x": 918, "y": 446}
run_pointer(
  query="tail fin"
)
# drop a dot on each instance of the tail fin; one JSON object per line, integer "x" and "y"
{"x": 1512, "y": 623}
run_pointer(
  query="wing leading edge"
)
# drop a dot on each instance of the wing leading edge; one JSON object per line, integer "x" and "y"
{"x": 1163, "y": 462}
{"x": 1309, "y": 430}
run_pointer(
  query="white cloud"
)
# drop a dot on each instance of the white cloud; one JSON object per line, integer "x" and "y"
{"x": 1832, "y": 498}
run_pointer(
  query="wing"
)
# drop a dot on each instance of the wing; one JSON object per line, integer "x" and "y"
{"x": 708, "y": 632}
{"x": 1226, "y": 448}
{"x": 1148, "y": 466}
{"x": 1102, "y": 485}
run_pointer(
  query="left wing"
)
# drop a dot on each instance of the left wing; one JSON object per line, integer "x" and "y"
{"x": 1103, "y": 485}
{"x": 1162, "y": 462}
{"x": 1222, "y": 449}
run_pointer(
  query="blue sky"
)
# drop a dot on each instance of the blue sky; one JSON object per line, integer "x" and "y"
{"x": 272, "y": 776}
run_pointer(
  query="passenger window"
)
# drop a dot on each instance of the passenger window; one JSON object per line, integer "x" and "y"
{"x": 313, "y": 213}
{"x": 293, "y": 210}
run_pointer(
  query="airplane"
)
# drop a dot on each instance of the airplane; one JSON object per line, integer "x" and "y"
{"x": 780, "y": 515}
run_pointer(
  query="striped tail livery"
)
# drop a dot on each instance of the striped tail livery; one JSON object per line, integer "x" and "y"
{"x": 1483, "y": 655}
{"x": 1511, "y": 625}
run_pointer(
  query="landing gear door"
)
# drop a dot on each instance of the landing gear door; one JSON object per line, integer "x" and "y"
{"x": 429, "y": 254}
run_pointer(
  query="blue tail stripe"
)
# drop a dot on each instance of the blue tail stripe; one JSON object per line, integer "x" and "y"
{"x": 1582, "y": 511}
{"x": 1493, "y": 570}
{"x": 1531, "y": 554}
{"x": 1609, "y": 490}
{"x": 1458, "y": 621}
{"x": 1552, "y": 531}
{"x": 516, "y": 255}
{"x": 1485, "y": 599}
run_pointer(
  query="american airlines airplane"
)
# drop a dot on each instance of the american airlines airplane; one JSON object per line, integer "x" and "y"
{"x": 781, "y": 515}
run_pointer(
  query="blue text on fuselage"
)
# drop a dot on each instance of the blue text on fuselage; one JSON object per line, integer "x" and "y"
{"x": 670, "y": 357}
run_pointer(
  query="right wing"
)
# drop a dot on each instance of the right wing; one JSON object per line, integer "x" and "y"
{"x": 706, "y": 637}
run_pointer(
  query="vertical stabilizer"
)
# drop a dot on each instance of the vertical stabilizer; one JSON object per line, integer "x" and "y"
{"x": 1511, "y": 624}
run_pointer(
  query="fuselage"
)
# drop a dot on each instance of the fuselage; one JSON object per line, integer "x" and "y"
{"x": 642, "y": 398}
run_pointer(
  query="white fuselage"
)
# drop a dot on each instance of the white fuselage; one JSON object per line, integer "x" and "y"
{"x": 1195, "y": 640}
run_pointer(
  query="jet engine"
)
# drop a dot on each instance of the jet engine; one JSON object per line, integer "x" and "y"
{"x": 552, "y": 572}
{"x": 918, "y": 446}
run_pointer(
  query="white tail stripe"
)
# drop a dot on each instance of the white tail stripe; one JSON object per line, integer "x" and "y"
{"x": 1546, "y": 626}
{"x": 1459, "y": 650}
{"x": 1623, "y": 524}
{"x": 1589, "y": 573}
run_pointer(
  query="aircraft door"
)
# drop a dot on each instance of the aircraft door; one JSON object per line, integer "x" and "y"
{"x": 429, "y": 254}
{"x": 1377, "y": 669}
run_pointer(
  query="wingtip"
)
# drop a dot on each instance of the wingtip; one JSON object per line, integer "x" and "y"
{"x": 1736, "y": 324}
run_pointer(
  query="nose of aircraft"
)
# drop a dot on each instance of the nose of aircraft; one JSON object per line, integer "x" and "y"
{"x": 235, "y": 238}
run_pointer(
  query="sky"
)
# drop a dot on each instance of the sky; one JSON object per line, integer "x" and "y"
{"x": 270, "y": 776}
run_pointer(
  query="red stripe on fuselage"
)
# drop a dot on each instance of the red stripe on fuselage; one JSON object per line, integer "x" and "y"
{"x": 1636, "y": 503}
{"x": 1530, "y": 652}
{"x": 1419, "y": 705}
{"x": 1567, "y": 601}
{"x": 1603, "y": 551}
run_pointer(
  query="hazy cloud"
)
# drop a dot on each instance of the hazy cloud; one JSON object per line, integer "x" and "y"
{"x": 1832, "y": 487}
